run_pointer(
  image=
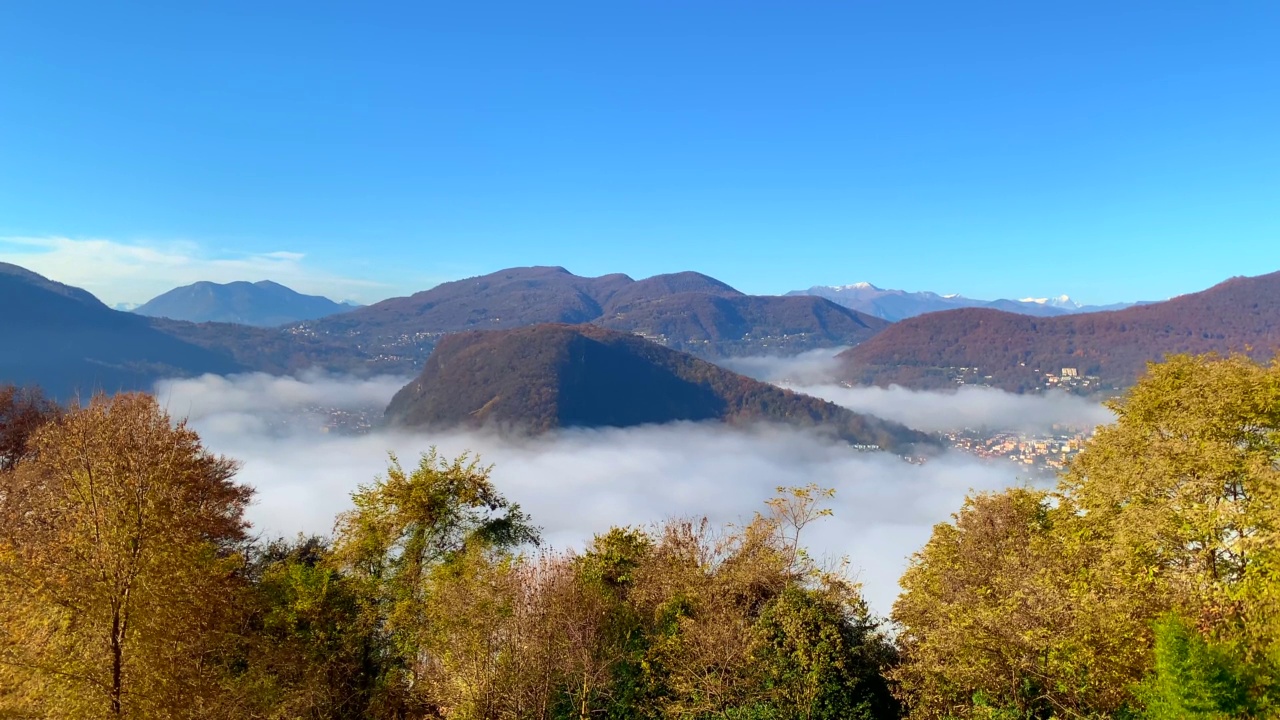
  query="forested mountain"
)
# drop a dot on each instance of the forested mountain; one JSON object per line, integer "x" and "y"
{"x": 550, "y": 376}
{"x": 659, "y": 286}
{"x": 65, "y": 340}
{"x": 725, "y": 326}
{"x": 894, "y": 305}
{"x": 262, "y": 304}
{"x": 1016, "y": 351}
{"x": 686, "y": 311}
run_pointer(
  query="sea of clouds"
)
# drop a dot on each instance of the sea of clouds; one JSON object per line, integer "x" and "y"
{"x": 969, "y": 406}
{"x": 576, "y": 483}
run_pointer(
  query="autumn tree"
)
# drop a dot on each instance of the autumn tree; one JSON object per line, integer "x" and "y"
{"x": 990, "y": 619}
{"x": 743, "y": 623}
{"x": 687, "y": 621}
{"x": 408, "y": 530}
{"x": 117, "y": 566}
{"x": 1048, "y": 604}
{"x": 1180, "y": 500}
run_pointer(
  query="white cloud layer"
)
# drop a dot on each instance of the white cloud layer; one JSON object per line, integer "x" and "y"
{"x": 118, "y": 272}
{"x": 577, "y": 483}
{"x": 975, "y": 408}
{"x": 815, "y": 367}
{"x": 969, "y": 406}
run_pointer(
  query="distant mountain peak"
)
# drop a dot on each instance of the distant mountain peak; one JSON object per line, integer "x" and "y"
{"x": 894, "y": 305}
{"x": 263, "y": 303}
{"x": 1062, "y": 301}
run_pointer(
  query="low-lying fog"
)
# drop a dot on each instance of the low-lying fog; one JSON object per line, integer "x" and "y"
{"x": 968, "y": 407}
{"x": 579, "y": 482}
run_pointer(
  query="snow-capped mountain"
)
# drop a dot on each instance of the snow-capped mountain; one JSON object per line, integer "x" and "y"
{"x": 896, "y": 305}
{"x": 1062, "y": 301}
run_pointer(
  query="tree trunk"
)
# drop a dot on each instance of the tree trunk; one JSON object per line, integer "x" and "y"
{"x": 117, "y": 664}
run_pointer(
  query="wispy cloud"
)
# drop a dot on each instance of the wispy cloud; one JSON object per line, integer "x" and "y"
{"x": 136, "y": 272}
{"x": 581, "y": 482}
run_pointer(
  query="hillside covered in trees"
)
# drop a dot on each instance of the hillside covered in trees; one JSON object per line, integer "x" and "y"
{"x": 550, "y": 376}
{"x": 1016, "y": 351}
{"x": 1144, "y": 586}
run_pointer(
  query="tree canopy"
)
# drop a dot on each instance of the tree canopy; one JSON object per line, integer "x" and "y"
{"x": 1146, "y": 584}
{"x": 1151, "y": 567}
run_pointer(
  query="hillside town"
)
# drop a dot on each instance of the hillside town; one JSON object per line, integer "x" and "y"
{"x": 1049, "y": 452}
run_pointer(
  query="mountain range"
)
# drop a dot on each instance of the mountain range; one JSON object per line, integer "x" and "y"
{"x": 66, "y": 340}
{"x": 894, "y": 305}
{"x": 260, "y": 304}
{"x": 539, "y": 378}
{"x": 685, "y": 311}
{"x": 1017, "y": 352}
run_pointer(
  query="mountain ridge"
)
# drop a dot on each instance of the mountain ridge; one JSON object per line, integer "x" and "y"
{"x": 687, "y": 311}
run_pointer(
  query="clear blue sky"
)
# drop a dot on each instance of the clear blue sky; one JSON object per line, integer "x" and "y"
{"x": 1107, "y": 150}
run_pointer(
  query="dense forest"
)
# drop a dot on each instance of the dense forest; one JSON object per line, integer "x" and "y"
{"x": 1143, "y": 586}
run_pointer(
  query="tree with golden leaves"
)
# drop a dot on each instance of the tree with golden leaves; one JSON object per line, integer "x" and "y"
{"x": 1153, "y": 564}
{"x": 117, "y": 569}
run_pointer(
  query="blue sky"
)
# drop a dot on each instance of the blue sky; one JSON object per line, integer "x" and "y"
{"x": 1110, "y": 151}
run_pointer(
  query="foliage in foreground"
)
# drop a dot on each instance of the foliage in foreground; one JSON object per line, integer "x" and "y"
{"x": 129, "y": 589}
{"x": 1144, "y": 585}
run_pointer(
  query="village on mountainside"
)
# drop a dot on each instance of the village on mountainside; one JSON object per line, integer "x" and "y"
{"x": 1067, "y": 379}
{"x": 1049, "y": 452}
